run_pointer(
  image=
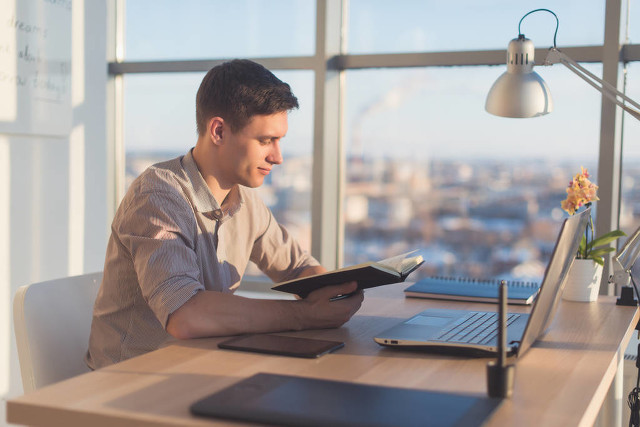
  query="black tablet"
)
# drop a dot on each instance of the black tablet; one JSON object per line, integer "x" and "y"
{"x": 281, "y": 345}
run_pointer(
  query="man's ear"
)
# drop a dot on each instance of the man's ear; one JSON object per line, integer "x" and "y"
{"x": 216, "y": 130}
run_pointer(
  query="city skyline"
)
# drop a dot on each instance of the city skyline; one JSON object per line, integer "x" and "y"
{"x": 508, "y": 213}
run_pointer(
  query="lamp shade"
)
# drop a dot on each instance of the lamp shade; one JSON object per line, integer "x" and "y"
{"x": 520, "y": 91}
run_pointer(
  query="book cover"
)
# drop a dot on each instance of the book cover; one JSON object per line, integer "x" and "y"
{"x": 477, "y": 290}
{"x": 368, "y": 275}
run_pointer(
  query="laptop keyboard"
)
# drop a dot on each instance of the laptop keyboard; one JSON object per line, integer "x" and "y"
{"x": 475, "y": 328}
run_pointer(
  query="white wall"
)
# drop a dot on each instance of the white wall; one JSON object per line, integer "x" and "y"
{"x": 53, "y": 191}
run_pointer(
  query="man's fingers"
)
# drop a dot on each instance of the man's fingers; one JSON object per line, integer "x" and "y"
{"x": 332, "y": 291}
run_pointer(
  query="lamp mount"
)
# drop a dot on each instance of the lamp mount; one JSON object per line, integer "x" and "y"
{"x": 622, "y": 263}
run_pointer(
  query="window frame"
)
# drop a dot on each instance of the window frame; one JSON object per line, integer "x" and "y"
{"x": 329, "y": 64}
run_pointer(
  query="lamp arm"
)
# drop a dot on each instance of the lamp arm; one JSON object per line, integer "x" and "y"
{"x": 630, "y": 251}
{"x": 624, "y": 259}
{"x": 556, "y": 56}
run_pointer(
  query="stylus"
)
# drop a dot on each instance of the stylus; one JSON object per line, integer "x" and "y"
{"x": 499, "y": 374}
{"x": 339, "y": 297}
{"x": 502, "y": 325}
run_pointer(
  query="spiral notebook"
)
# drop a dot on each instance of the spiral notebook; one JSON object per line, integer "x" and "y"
{"x": 477, "y": 290}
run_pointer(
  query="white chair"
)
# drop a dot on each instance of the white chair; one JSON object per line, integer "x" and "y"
{"x": 52, "y": 321}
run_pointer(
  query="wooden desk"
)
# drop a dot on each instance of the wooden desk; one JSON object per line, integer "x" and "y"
{"x": 561, "y": 381}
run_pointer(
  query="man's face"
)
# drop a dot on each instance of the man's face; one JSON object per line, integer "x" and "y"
{"x": 251, "y": 152}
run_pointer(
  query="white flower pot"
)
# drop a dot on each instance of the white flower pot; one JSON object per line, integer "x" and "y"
{"x": 583, "y": 281}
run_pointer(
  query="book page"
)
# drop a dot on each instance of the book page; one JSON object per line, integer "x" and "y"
{"x": 403, "y": 262}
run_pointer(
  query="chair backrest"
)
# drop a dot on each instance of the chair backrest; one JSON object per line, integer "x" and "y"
{"x": 52, "y": 321}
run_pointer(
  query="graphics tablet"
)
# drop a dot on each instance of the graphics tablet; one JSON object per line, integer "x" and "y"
{"x": 298, "y": 401}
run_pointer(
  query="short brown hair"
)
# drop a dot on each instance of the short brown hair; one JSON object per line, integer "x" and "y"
{"x": 238, "y": 90}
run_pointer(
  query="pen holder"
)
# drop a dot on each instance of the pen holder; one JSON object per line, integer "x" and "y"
{"x": 500, "y": 379}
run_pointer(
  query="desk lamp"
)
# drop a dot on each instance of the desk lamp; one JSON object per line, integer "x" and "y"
{"x": 521, "y": 92}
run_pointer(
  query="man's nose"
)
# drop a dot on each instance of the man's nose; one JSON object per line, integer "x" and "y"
{"x": 275, "y": 156}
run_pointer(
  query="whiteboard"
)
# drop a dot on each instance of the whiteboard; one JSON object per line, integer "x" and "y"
{"x": 35, "y": 67}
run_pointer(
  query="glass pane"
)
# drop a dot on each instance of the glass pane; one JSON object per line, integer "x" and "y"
{"x": 630, "y": 174}
{"x": 630, "y": 26}
{"x": 192, "y": 29}
{"x": 160, "y": 124}
{"x": 380, "y": 26}
{"x": 159, "y": 118}
{"x": 429, "y": 169}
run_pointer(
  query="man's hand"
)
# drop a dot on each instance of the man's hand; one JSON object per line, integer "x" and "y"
{"x": 317, "y": 311}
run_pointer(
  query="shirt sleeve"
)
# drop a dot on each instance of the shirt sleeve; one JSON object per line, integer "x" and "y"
{"x": 158, "y": 229}
{"x": 276, "y": 252}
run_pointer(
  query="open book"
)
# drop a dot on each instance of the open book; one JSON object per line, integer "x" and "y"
{"x": 368, "y": 275}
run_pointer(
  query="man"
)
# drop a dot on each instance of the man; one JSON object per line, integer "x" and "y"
{"x": 186, "y": 229}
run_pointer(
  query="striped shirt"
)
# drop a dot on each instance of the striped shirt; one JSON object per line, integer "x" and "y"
{"x": 171, "y": 239}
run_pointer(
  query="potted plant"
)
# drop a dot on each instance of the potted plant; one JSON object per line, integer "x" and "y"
{"x": 583, "y": 280}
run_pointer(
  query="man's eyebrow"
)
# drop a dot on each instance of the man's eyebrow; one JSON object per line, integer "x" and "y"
{"x": 272, "y": 136}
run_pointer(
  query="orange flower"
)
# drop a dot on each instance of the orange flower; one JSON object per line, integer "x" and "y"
{"x": 579, "y": 192}
{"x": 568, "y": 206}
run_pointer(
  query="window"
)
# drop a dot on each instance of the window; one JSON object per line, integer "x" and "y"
{"x": 428, "y": 168}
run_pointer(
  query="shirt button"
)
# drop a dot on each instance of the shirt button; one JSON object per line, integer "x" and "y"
{"x": 217, "y": 214}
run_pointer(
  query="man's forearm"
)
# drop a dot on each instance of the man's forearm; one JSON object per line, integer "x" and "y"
{"x": 210, "y": 313}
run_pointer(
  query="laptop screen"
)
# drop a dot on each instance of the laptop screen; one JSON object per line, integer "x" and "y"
{"x": 551, "y": 288}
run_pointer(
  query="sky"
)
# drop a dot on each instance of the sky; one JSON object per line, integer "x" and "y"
{"x": 434, "y": 112}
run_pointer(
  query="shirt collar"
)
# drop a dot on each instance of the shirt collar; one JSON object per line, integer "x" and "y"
{"x": 203, "y": 199}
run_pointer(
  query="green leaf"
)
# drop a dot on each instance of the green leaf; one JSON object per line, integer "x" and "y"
{"x": 601, "y": 251}
{"x": 607, "y": 238}
{"x": 582, "y": 248}
{"x": 597, "y": 259}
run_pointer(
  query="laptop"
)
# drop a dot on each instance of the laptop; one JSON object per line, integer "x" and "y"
{"x": 463, "y": 332}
